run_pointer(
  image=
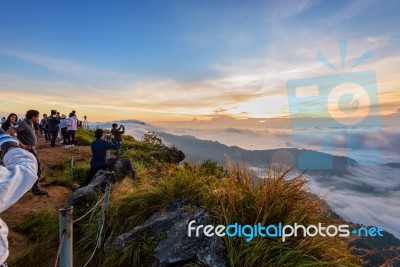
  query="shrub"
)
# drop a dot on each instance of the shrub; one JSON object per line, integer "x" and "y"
{"x": 84, "y": 136}
{"x": 152, "y": 138}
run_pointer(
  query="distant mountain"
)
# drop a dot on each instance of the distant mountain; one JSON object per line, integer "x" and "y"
{"x": 395, "y": 165}
{"x": 131, "y": 121}
{"x": 312, "y": 161}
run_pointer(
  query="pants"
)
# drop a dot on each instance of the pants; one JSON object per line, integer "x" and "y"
{"x": 53, "y": 138}
{"x": 118, "y": 144}
{"x": 92, "y": 173}
{"x": 47, "y": 134}
{"x": 71, "y": 137}
{"x": 39, "y": 171}
{"x": 65, "y": 136}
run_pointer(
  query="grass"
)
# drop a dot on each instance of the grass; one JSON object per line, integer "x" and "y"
{"x": 84, "y": 136}
{"x": 67, "y": 176}
{"x": 42, "y": 229}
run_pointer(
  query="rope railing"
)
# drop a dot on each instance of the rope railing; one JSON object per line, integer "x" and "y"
{"x": 66, "y": 222}
{"x": 87, "y": 213}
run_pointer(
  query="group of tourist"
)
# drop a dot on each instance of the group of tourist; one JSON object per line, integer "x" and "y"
{"x": 21, "y": 168}
{"x": 51, "y": 127}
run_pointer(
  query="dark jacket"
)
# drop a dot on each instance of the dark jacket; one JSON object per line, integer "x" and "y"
{"x": 52, "y": 124}
{"x": 6, "y": 125}
{"x": 117, "y": 133}
{"x": 99, "y": 152}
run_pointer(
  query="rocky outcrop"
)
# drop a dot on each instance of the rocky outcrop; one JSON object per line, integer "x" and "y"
{"x": 122, "y": 168}
{"x": 173, "y": 155}
{"x": 177, "y": 248}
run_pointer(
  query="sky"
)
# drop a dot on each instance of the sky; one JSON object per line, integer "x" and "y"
{"x": 175, "y": 60}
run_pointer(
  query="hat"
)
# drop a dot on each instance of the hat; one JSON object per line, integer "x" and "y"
{"x": 63, "y": 116}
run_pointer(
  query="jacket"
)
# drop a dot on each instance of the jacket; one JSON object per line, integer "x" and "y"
{"x": 52, "y": 123}
{"x": 72, "y": 123}
{"x": 17, "y": 176}
{"x": 117, "y": 133}
{"x": 99, "y": 152}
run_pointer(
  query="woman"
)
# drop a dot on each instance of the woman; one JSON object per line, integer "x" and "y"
{"x": 72, "y": 126}
{"x": 11, "y": 121}
{"x": 64, "y": 131}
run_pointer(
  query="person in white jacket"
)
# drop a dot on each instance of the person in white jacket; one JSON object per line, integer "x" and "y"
{"x": 72, "y": 126}
{"x": 17, "y": 175}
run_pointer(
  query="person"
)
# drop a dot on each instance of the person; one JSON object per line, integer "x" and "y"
{"x": 117, "y": 132}
{"x": 72, "y": 126}
{"x": 45, "y": 127}
{"x": 25, "y": 133}
{"x": 3, "y": 120}
{"x": 99, "y": 155}
{"x": 64, "y": 131}
{"x": 36, "y": 127}
{"x": 10, "y": 121}
{"x": 52, "y": 124}
{"x": 17, "y": 175}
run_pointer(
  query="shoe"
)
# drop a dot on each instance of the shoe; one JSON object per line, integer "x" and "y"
{"x": 36, "y": 190}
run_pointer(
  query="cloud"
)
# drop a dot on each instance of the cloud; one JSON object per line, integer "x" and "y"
{"x": 290, "y": 8}
{"x": 384, "y": 139}
{"x": 367, "y": 195}
{"x": 61, "y": 66}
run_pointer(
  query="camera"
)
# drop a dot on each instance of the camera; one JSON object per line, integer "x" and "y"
{"x": 108, "y": 137}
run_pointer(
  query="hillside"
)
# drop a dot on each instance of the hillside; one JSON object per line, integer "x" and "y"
{"x": 228, "y": 194}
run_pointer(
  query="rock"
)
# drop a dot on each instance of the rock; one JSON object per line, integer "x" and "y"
{"x": 121, "y": 169}
{"x": 124, "y": 168}
{"x": 174, "y": 155}
{"x": 177, "y": 248}
{"x": 86, "y": 194}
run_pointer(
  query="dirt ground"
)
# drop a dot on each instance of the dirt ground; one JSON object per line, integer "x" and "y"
{"x": 29, "y": 203}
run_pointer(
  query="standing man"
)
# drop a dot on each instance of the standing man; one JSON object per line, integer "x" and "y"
{"x": 53, "y": 123}
{"x": 117, "y": 132}
{"x": 99, "y": 155}
{"x": 25, "y": 132}
{"x": 17, "y": 175}
{"x": 45, "y": 127}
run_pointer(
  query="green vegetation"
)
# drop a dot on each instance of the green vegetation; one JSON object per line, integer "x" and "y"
{"x": 231, "y": 194}
{"x": 68, "y": 173}
{"x": 152, "y": 139}
{"x": 42, "y": 229}
{"x": 84, "y": 136}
